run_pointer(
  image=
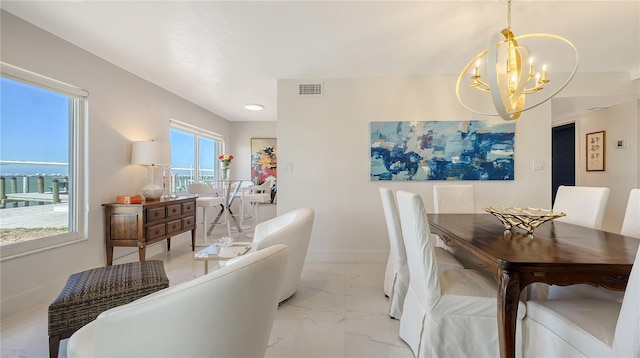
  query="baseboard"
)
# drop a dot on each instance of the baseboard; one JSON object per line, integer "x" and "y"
{"x": 347, "y": 255}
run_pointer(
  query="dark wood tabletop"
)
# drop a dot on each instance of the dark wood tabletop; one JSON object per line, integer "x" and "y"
{"x": 557, "y": 253}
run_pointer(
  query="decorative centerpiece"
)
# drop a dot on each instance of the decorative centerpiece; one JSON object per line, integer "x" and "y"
{"x": 225, "y": 160}
{"x": 525, "y": 218}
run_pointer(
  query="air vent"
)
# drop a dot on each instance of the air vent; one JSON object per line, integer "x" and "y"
{"x": 310, "y": 89}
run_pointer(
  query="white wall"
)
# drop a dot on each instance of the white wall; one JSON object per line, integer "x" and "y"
{"x": 122, "y": 108}
{"x": 242, "y": 132}
{"x": 326, "y": 139}
{"x": 621, "y": 165}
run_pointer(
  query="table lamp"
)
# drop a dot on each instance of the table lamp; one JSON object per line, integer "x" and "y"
{"x": 151, "y": 154}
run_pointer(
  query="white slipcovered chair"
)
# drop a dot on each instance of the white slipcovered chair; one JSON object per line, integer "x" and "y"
{"x": 396, "y": 279}
{"x": 453, "y": 199}
{"x": 208, "y": 197}
{"x": 631, "y": 222}
{"x": 630, "y": 227}
{"x": 584, "y": 206}
{"x": 450, "y": 313}
{"x": 294, "y": 230}
{"x": 227, "y": 313}
{"x": 585, "y": 327}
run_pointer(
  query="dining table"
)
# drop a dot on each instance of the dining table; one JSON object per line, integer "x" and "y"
{"x": 557, "y": 253}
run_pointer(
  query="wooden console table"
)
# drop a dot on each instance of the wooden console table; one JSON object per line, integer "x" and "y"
{"x": 147, "y": 223}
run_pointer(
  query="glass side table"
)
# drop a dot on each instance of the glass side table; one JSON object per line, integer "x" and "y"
{"x": 216, "y": 252}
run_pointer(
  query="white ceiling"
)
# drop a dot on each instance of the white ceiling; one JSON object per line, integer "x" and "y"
{"x": 221, "y": 55}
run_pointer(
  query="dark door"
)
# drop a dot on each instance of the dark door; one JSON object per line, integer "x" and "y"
{"x": 563, "y": 157}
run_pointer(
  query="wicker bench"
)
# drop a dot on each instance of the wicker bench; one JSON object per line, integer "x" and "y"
{"x": 91, "y": 292}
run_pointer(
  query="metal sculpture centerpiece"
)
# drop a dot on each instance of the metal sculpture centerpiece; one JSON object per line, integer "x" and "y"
{"x": 527, "y": 219}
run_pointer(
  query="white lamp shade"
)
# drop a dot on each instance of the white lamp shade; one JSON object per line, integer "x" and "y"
{"x": 151, "y": 153}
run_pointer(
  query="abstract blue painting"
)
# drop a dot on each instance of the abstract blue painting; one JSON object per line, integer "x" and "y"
{"x": 442, "y": 150}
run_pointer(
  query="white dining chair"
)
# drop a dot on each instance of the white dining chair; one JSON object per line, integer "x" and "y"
{"x": 631, "y": 222}
{"x": 630, "y": 227}
{"x": 256, "y": 195}
{"x": 396, "y": 278}
{"x": 585, "y": 327}
{"x": 453, "y": 199}
{"x": 207, "y": 198}
{"x": 450, "y": 313}
{"x": 583, "y": 205}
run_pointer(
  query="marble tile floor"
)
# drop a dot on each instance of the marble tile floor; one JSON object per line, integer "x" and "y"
{"x": 339, "y": 310}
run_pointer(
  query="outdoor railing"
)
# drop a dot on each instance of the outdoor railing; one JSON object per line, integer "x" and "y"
{"x": 21, "y": 190}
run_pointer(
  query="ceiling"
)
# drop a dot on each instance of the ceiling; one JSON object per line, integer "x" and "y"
{"x": 222, "y": 55}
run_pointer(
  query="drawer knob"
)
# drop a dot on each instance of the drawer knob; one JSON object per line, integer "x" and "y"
{"x": 157, "y": 231}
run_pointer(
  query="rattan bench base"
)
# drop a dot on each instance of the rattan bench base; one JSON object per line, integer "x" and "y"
{"x": 89, "y": 293}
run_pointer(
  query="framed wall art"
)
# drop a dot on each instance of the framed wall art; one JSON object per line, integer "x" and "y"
{"x": 596, "y": 151}
{"x": 442, "y": 150}
{"x": 264, "y": 159}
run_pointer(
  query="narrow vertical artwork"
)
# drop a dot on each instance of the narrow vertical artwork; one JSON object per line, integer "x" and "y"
{"x": 442, "y": 150}
{"x": 264, "y": 159}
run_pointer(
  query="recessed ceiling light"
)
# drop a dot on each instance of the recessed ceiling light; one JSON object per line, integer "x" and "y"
{"x": 253, "y": 107}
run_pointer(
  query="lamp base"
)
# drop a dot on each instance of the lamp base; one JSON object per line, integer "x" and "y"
{"x": 152, "y": 194}
{"x": 154, "y": 189}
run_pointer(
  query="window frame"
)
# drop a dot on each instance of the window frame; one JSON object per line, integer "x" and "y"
{"x": 199, "y": 133}
{"x": 78, "y": 196}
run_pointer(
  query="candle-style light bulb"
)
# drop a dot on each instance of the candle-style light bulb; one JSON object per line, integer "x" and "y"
{"x": 544, "y": 72}
{"x": 476, "y": 71}
{"x": 530, "y": 66}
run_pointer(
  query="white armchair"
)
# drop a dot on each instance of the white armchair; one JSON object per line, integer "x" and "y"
{"x": 396, "y": 278}
{"x": 227, "y": 313}
{"x": 451, "y": 313}
{"x": 294, "y": 230}
{"x": 585, "y": 327}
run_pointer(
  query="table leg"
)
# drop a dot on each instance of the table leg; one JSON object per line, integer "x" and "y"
{"x": 508, "y": 299}
{"x": 206, "y": 267}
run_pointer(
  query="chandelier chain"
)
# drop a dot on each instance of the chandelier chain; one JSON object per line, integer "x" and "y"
{"x": 509, "y": 14}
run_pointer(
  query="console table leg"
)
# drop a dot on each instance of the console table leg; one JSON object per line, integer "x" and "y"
{"x": 109, "y": 253}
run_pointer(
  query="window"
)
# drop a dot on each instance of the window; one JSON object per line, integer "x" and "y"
{"x": 41, "y": 161}
{"x": 194, "y": 154}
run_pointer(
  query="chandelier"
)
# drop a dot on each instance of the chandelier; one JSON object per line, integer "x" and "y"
{"x": 511, "y": 73}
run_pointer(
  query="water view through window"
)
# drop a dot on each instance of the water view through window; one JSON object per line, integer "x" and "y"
{"x": 34, "y": 161}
